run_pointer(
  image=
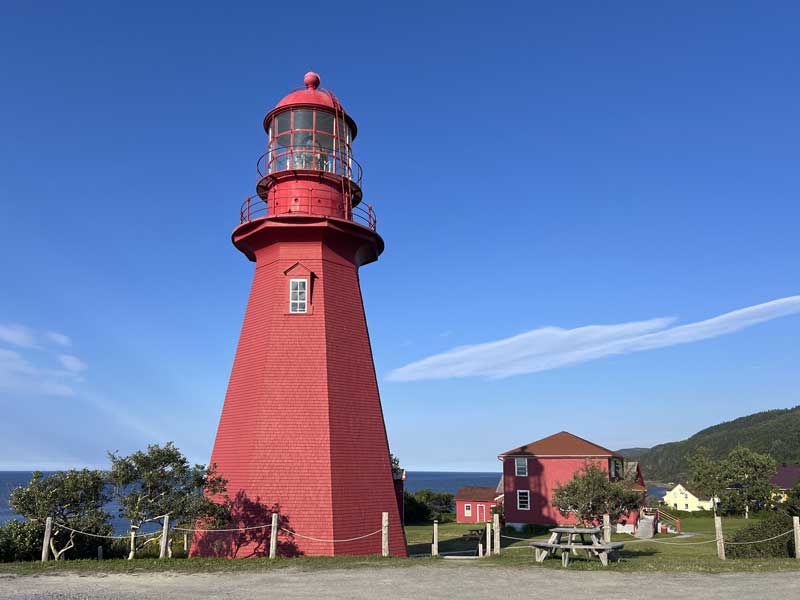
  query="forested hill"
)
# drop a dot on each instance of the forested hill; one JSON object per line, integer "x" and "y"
{"x": 773, "y": 432}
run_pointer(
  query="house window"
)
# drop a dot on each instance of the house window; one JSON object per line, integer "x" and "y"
{"x": 686, "y": 506}
{"x": 521, "y": 466}
{"x": 523, "y": 500}
{"x": 297, "y": 295}
{"x": 468, "y": 510}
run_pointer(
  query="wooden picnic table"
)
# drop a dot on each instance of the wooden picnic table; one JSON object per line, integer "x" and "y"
{"x": 590, "y": 543}
{"x": 474, "y": 534}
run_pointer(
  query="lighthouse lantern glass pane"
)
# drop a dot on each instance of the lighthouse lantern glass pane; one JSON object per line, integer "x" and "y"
{"x": 284, "y": 122}
{"x": 324, "y": 122}
{"x": 303, "y": 119}
{"x": 297, "y": 296}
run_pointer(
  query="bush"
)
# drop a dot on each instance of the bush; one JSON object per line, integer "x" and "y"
{"x": 770, "y": 526}
{"x": 415, "y": 511}
{"x": 21, "y": 540}
{"x": 426, "y": 505}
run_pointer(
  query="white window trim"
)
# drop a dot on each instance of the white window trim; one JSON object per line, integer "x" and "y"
{"x": 304, "y": 303}
{"x": 519, "y": 495}
{"x": 517, "y": 463}
{"x": 468, "y": 510}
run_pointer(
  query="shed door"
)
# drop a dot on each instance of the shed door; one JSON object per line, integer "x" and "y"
{"x": 481, "y": 513}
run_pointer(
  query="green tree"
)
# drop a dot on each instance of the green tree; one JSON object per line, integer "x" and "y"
{"x": 440, "y": 504}
{"x": 589, "y": 495}
{"x": 159, "y": 482}
{"x": 792, "y": 504}
{"x": 415, "y": 511}
{"x": 747, "y": 474}
{"x": 396, "y": 468}
{"x": 74, "y": 499}
{"x": 706, "y": 475}
{"x": 21, "y": 540}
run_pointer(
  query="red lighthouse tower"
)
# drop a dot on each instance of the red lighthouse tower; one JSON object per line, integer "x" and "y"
{"x": 302, "y": 425}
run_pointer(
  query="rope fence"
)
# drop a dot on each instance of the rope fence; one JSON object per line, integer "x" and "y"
{"x": 486, "y": 545}
{"x": 107, "y": 537}
{"x": 166, "y": 529}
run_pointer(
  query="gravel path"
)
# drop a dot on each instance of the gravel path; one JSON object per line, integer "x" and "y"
{"x": 418, "y": 583}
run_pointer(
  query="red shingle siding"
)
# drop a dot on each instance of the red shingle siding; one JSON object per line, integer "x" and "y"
{"x": 544, "y": 476}
{"x": 302, "y": 424}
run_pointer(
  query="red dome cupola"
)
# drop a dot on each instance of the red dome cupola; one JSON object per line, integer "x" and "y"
{"x": 308, "y": 168}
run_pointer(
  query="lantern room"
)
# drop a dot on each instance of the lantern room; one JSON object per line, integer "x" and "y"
{"x": 308, "y": 168}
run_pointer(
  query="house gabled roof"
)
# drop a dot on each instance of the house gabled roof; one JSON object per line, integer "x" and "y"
{"x": 476, "y": 492}
{"x": 696, "y": 495}
{"x": 563, "y": 443}
{"x": 786, "y": 477}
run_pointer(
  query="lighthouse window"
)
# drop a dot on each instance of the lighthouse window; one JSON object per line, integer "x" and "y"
{"x": 324, "y": 122}
{"x": 309, "y": 139}
{"x": 284, "y": 122}
{"x": 297, "y": 295}
{"x": 523, "y": 500}
{"x": 303, "y": 119}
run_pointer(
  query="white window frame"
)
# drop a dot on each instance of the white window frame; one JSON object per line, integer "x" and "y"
{"x": 468, "y": 510}
{"x": 523, "y": 462}
{"x": 297, "y": 306}
{"x": 527, "y": 495}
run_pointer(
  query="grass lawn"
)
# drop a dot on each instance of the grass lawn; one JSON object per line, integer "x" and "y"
{"x": 666, "y": 553}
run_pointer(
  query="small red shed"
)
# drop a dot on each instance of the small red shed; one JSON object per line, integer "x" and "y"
{"x": 474, "y": 503}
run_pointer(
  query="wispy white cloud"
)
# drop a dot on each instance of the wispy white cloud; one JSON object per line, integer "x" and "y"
{"x": 31, "y": 368}
{"x": 72, "y": 363}
{"x": 19, "y": 375}
{"x": 17, "y": 335}
{"x": 552, "y": 347}
{"x": 58, "y": 338}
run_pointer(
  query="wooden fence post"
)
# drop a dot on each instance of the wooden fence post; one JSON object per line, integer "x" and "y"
{"x": 496, "y": 533}
{"x": 720, "y": 539}
{"x": 435, "y": 544}
{"x": 48, "y": 531}
{"x": 488, "y": 539}
{"x": 99, "y": 553}
{"x": 273, "y": 536}
{"x": 796, "y": 527}
{"x": 606, "y": 529}
{"x": 385, "y": 534}
{"x": 164, "y": 537}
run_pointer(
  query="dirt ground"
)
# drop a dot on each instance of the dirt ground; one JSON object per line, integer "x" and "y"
{"x": 417, "y": 583}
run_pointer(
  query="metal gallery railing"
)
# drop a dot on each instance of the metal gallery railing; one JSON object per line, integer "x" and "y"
{"x": 296, "y": 203}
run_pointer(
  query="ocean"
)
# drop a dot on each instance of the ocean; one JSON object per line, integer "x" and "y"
{"x": 439, "y": 481}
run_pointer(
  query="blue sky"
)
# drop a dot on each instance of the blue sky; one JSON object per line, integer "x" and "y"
{"x": 573, "y": 176}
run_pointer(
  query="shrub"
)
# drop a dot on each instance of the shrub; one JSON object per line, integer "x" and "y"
{"x": 415, "y": 511}
{"x": 21, "y": 540}
{"x": 770, "y": 526}
{"x": 425, "y": 505}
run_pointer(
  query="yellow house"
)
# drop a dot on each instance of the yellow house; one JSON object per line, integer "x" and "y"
{"x": 682, "y": 499}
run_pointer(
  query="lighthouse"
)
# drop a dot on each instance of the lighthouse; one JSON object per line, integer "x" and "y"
{"x": 302, "y": 429}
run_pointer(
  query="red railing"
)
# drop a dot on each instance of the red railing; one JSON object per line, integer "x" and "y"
{"x": 294, "y": 158}
{"x": 256, "y": 207}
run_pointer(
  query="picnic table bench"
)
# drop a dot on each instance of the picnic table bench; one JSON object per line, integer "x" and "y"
{"x": 593, "y": 546}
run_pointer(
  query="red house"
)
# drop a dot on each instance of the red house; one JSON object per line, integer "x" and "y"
{"x": 532, "y": 472}
{"x": 474, "y": 504}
